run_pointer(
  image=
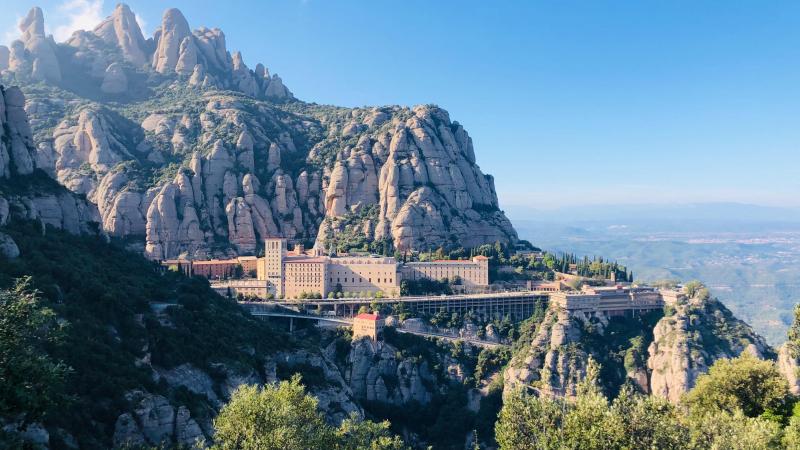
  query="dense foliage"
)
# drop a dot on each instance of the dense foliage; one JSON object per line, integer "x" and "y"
{"x": 113, "y": 308}
{"x": 31, "y": 382}
{"x": 284, "y": 417}
{"x": 738, "y": 405}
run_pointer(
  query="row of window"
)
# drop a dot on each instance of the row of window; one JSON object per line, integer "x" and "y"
{"x": 361, "y": 280}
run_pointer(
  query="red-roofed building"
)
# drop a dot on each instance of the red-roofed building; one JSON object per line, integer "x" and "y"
{"x": 368, "y": 325}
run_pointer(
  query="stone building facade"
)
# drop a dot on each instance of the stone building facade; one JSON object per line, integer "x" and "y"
{"x": 368, "y": 325}
{"x": 472, "y": 273}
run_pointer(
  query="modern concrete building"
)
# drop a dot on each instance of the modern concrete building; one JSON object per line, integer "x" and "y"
{"x": 368, "y": 325}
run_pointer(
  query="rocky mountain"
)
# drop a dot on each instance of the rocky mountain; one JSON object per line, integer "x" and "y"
{"x": 25, "y": 192}
{"x": 686, "y": 343}
{"x": 660, "y": 354}
{"x": 183, "y": 147}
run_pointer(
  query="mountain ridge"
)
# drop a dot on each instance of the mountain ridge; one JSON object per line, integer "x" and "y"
{"x": 182, "y": 146}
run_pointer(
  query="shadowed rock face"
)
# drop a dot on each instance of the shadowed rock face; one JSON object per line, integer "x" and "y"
{"x": 52, "y": 206}
{"x": 222, "y": 156}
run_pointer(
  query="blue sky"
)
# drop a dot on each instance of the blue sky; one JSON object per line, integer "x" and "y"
{"x": 567, "y": 102}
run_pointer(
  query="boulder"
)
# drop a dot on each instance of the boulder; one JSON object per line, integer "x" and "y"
{"x": 8, "y": 248}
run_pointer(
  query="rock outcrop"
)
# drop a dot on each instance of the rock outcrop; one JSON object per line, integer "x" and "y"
{"x": 17, "y": 152}
{"x": 215, "y": 172}
{"x": 374, "y": 373}
{"x": 34, "y": 54}
{"x": 114, "y": 81}
{"x": 789, "y": 365}
{"x": 8, "y": 248}
{"x": 553, "y": 364}
{"x": 32, "y": 199}
{"x": 154, "y": 421}
{"x": 686, "y": 343}
{"x": 174, "y": 29}
{"x": 122, "y": 30}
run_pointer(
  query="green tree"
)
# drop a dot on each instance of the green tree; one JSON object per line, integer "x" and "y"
{"x": 284, "y": 417}
{"x": 745, "y": 384}
{"x": 31, "y": 382}
{"x": 649, "y": 422}
{"x": 354, "y": 434}
{"x": 278, "y": 417}
{"x": 527, "y": 422}
{"x": 722, "y": 430}
{"x": 794, "y": 332}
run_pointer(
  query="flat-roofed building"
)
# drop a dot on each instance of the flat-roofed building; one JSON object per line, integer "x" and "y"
{"x": 178, "y": 265}
{"x": 215, "y": 268}
{"x": 304, "y": 275}
{"x": 368, "y": 325}
{"x": 368, "y": 274}
{"x": 609, "y": 301}
{"x": 249, "y": 265}
{"x": 247, "y": 288}
{"x": 473, "y": 273}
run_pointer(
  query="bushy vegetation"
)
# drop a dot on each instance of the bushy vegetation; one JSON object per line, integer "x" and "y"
{"x": 731, "y": 408}
{"x": 103, "y": 298}
{"x": 284, "y": 417}
{"x": 31, "y": 381}
{"x": 425, "y": 286}
{"x": 621, "y": 347}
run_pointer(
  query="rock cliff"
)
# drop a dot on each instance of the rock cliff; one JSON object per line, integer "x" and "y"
{"x": 687, "y": 342}
{"x": 180, "y": 144}
{"x": 24, "y": 192}
{"x": 789, "y": 365}
{"x": 553, "y": 363}
{"x": 375, "y": 373}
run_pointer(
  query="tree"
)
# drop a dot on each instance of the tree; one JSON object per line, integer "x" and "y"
{"x": 284, "y": 417}
{"x": 721, "y": 430}
{"x": 528, "y": 422}
{"x": 278, "y": 417}
{"x": 30, "y": 380}
{"x": 354, "y": 434}
{"x": 794, "y": 332}
{"x": 649, "y": 422}
{"x": 745, "y": 384}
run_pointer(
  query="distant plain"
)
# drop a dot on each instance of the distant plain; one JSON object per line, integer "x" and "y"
{"x": 749, "y": 256}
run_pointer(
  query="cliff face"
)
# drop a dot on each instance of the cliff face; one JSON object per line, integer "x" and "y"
{"x": 25, "y": 194}
{"x": 687, "y": 343}
{"x": 179, "y": 143}
{"x": 660, "y": 355}
{"x": 553, "y": 363}
{"x": 375, "y": 373}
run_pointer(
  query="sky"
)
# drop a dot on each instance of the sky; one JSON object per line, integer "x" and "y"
{"x": 568, "y": 103}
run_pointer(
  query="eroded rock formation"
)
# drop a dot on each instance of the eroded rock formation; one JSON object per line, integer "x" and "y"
{"x": 686, "y": 343}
